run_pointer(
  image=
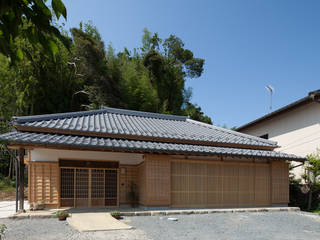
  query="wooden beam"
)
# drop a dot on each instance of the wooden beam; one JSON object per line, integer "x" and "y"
{"x": 21, "y": 179}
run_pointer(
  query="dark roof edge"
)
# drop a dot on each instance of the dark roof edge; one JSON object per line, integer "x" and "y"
{"x": 272, "y": 143}
{"x": 288, "y": 107}
{"x": 167, "y": 151}
{"x": 44, "y": 117}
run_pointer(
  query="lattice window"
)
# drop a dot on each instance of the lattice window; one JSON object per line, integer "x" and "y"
{"x": 97, "y": 183}
{"x": 111, "y": 184}
{"x": 82, "y": 183}
{"x": 67, "y": 183}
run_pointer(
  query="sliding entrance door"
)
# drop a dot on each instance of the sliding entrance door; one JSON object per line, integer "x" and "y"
{"x": 88, "y": 187}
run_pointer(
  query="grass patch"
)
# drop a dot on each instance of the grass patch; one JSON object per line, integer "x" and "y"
{"x": 316, "y": 211}
{"x": 7, "y": 185}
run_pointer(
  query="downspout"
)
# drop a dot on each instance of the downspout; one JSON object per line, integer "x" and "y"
{"x": 297, "y": 166}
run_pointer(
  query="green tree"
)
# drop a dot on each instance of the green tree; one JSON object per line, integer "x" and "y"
{"x": 31, "y": 20}
{"x": 101, "y": 84}
{"x": 312, "y": 175}
{"x": 170, "y": 65}
{"x": 196, "y": 113}
{"x": 37, "y": 85}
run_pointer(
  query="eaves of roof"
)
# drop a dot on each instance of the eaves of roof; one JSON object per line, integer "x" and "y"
{"x": 59, "y": 141}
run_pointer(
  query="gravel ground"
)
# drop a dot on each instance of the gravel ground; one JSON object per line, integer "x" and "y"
{"x": 51, "y": 228}
{"x": 269, "y": 225}
{"x": 258, "y": 226}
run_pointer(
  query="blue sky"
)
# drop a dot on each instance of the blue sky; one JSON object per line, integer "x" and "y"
{"x": 246, "y": 44}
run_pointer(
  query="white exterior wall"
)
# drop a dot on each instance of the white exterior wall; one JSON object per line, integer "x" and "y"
{"x": 297, "y": 131}
{"x": 53, "y": 155}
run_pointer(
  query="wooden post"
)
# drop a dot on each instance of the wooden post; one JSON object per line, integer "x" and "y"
{"x": 21, "y": 178}
{"x": 17, "y": 183}
{"x": 89, "y": 191}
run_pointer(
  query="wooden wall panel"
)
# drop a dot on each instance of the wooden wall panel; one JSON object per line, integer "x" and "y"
{"x": 246, "y": 185}
{"x": 43, "y": 182}
{"x": 157, "y": 180}
{"x": 179, "y": 183}
{"x": 230, "y": 184}
{"x": 280, "y": 182}
{"x": 262, "y": 185}
{"x": 142, "y": 183}
{"x": 197, "y": 184}
{"x": 215, "y": 184}
{"x": 219, "y": 184}
{"x": 126, "y": 180}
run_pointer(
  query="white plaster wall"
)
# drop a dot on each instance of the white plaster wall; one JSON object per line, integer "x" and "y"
{"x": 53, "y": 155}
{"x": 297, "y": 132}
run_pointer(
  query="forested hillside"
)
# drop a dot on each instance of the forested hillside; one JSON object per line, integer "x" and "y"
{"x": 90, "y": 75}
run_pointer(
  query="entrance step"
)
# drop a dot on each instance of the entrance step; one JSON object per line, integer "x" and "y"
{"x": 85, "y": 222}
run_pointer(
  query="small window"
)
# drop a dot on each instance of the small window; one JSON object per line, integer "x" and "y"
{"x": 265, "y": 136}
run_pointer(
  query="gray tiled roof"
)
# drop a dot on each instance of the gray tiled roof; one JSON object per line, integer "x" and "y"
{"x": 59, "y": 140}
{"x": 134, "y": 123}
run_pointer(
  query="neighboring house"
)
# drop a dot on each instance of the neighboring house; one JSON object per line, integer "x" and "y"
{"x": 295, "y": 127}
{"x": 96, "y": 158}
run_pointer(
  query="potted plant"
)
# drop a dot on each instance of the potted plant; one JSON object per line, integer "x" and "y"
{"x": 62, "y": 215}
{"x": 115, "y": 214}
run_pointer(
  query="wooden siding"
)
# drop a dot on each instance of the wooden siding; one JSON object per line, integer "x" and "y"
{"x": 164, "y": 181}
{"x": 219, "y": 184}
{"x": 142, "y": 183}
{"x": 280, "y": 182}
{"x": 126, "y": 179}
{"x": 157, "y": 180}
{"x": 44, "y": 181}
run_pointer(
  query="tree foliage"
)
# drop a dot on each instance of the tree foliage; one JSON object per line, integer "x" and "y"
{"x": 89, "y": 76}
{"x": 31, "y": 20}
{"x": 312, "y": 175}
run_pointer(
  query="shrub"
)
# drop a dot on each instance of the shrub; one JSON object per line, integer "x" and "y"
{"x": 2, "y": 230}
{"x": 299, "y": 195}
{"x": 63, "y": 214}
{"x": 115, "y": 214}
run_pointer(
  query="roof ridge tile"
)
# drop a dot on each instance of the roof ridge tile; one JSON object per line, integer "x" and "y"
{"x": 46, "y": 117}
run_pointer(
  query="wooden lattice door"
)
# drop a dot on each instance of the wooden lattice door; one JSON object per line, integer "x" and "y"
{"x": 84, "y": 187}
{"x": 97, "y": 187}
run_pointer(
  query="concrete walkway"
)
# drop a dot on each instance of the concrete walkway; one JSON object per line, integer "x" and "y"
{"x": 8, "y": 208}
{"x": 98, "y": 221}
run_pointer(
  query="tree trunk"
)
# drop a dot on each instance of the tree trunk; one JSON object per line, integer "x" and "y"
{"x": 310, "y": 197}
{"x": 10, "y": 166}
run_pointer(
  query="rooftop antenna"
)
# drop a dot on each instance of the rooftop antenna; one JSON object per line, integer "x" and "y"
{"x": 271, "y": 90}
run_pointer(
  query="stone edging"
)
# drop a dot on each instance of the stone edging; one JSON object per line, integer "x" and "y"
{"x": 174, "y": 212}
{"x": 207, "y": 211}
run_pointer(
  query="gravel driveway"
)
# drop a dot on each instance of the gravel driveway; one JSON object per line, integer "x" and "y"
{"x": 269, "y": 225}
